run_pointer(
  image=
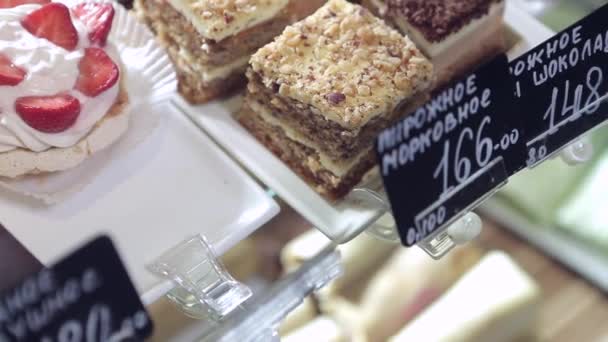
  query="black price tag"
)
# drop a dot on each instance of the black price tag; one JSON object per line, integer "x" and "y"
{"x": 442, "y": 159}
{"x": 86, "y": 297}
{"x": 562, "y": 84}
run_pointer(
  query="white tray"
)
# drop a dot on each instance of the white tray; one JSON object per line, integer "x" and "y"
{"x": 340, "y": 222}
{"x": 174, "y": 185}
{"x": 148, "y": 197}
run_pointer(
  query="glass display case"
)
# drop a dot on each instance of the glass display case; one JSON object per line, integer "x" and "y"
{"x": 225, "y": 240}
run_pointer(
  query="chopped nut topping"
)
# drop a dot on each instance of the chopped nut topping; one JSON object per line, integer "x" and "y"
{"x": 437, "y": 19}
{"x": 228, "y": 18}
{"x": 217, "y": 19}
{"x": 344, "y": 62}
{"x": 335, "y": 98}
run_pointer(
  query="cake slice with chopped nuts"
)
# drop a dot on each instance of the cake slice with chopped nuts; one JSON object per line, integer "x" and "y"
{"x": 457, "y": 35}
{"x": 321, "y": 92}
{"x": 210, "y": 41}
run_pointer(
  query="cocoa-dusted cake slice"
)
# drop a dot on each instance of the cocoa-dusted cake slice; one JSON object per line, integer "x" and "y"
{"x": 456, "y": 35}
{"x": 320, "y": 93}
{"x": 210, "y": 41}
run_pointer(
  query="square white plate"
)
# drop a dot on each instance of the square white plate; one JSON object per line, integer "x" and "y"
{"x": 149, "y": 196}
{"x": 175, "y": 184}
{"x": 344, "y": 220}
{"x": 340, "y": 222}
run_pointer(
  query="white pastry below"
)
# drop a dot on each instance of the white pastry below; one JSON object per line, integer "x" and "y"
{"x": 495, "y": 301}
{"x": 359, "y": 257}
{"x": 299, "y": 317}
{"x": 320, "y": 329}
{"x": 50, "y": 70}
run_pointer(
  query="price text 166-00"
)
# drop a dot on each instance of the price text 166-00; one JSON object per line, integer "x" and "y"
{"x": 458, "y": 165}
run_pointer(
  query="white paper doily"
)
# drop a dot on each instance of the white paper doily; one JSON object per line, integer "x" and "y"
{"x": 149, "y": 78}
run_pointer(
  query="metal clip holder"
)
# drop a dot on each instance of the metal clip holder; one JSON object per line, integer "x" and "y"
{"x": 579, "y": 152}
{"x": 204, "y": 288}
{"x": 460, "y": 230}
{"x": 466, "y": 226}
{"x": 201, "y": 286}
{"x": 258, "y": 320}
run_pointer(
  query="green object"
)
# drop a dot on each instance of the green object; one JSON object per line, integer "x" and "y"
{"x": 540, "y": 191}
{"x": 585, "y": 213}
{"x": 566, "y": 13}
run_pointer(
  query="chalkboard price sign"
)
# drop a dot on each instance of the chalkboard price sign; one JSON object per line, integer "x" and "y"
{"x": 447, "y": 155}
{"x": 86, "y": 297}
{"x": 562, "y": 86}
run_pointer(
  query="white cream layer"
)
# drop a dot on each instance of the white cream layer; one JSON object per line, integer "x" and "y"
{"x": 337, "y": 167}
{"x": 225, "y": 70}
{"x": 209, "y": 74}
{"x": 50, "y": 70}
{"x": 206, "y": 16}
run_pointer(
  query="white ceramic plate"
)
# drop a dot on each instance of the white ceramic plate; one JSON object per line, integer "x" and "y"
{"x": 340, "y": 222}
{"x": 149, "y": 196}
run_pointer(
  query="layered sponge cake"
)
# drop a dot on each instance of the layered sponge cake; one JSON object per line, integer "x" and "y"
{"x": 456, "y": 35}
{"x": 210, "y": 41}
{"x": 320, "y": 93}
{"x": 61, "y": 96}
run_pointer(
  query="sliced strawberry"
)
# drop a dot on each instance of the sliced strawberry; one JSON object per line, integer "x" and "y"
{"x": 10, "y": 74}
{"x": 15, "y": 3}
{"x": 97, "y": 72}
{"x": 49, "y": 114}
{"x": 97, "y": 17}
{"x": 53, "y": 22}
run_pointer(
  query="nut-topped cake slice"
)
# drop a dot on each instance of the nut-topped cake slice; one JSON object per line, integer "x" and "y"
{"x": 210, "y": 41}
{"x": 456, "y": 35}
{"x": 321, "y": 92}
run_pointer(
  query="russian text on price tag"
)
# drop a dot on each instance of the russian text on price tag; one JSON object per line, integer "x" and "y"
{"x": 562, "y": 86}
{"x": 441, "y": 160}
{"x": 86, "y": 297}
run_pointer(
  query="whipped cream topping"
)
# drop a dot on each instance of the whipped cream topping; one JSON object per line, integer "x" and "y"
{"x": 50, "y": 70}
